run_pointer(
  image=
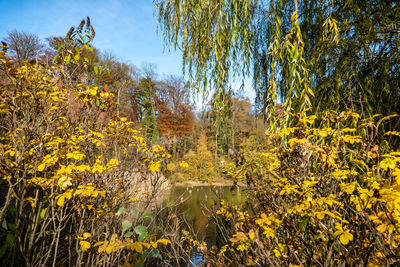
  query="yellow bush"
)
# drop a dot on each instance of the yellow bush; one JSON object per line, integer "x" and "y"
{"x": 324, "y": 192}
{"x": 62, "y": 172}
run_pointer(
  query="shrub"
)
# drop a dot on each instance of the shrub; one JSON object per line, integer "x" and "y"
{"x": 63, "y": 153}
{"x": 327, "y": 193}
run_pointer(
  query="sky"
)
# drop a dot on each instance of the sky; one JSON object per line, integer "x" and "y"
{"x": 126, "y": 28}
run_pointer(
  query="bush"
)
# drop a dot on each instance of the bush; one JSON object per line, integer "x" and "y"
{"x": 325, "y": 193}
{"x": 63, "y": 152}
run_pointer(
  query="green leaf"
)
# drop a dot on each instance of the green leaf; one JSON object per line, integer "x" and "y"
{"x": 141, "y": 230}
{"x": 8, "y": 243}
{"x": 144, "y": 255}
{"x": 96, "y": 70}
{"x": 133, "y": 211}
{"x": 42, "y": 213}
{"x": 128, "y": 234}
{"x": 303, "y": 223}
{"x": 11, "y": 227}
{"x": 59, "y": 46}
{"x": 121, "y": 211}
{"x": 126, "y": 225}
{"x": 97, "y": 102}
{"x": 4, "y": 225}
{"x": 148, "y": 215}
{"x": 155, "y": 253}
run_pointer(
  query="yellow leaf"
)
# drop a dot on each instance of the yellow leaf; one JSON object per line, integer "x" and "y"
{"x": 99, "y": 243}
{"x": 351, "y": 139}
{"x": 112, "y": 164}
{"x": 86, "y": 235}
{"x": 345, "y": 130}
{"x": 164, "y": 241}
{"x": 154, "y": 166}
{"x": 84, "y": 245}
{"x": 31, "y": 200}
{"x": 252, "y": 235}
{"x": 309, "y": 119}
{"x": 82, "y": 168}
{"x": 268, "y": 232}
{"x": 60, "y": 201}
{"x": 387, "y": 163}
{"x": 294, "y": 141}
{"x": 145, "y": 245}
{"x": 65, "y": 181}
{"x": 10, "y": 152}
{"x": 323, "y": 133}
{"x": 348, "y": 188}
{"x": 320, "y": 215}
{"x": 277, "y": 252}
{"x": 382, "y": 228}
{"x": 345, "y": 238}
{"x": 396, "y": 174}
{"x": 136, "y": 247}
{"x": 184, "y": 164}
{"x": 392, "y": 133}
{"x": 93, "y": 90}
{"x": 41, "y": 167}
{"x": 109, "y": 248}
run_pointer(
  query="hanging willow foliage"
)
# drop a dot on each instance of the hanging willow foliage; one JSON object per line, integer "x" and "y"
{"x": 216, "y": 39}
{"x": 337, "y": 54}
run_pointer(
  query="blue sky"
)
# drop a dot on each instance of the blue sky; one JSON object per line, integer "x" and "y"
{"x": 125, "y": 28}
{"x": 128, "y": 29}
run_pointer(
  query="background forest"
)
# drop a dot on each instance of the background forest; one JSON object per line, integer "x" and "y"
{"x": 88, "y": 142}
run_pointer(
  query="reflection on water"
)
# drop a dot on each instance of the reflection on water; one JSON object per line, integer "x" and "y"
{"x": 194, "y": 203}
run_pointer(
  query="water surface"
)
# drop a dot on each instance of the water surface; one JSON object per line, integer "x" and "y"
{"x": 195, "y": 204}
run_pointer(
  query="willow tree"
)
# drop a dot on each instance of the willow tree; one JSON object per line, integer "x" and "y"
{"x": 323, "y": 54}
{"x": 351, "y": 50}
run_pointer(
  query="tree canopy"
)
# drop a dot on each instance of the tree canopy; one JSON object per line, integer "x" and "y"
{"x": 337, "y": 54}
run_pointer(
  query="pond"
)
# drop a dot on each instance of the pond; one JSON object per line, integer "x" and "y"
{"x": 194, "y": 204}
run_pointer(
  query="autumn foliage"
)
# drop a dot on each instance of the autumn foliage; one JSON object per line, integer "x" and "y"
{"x": 175, "y": 116}
{"x": 324, "y": 192}
{"x": 65, "y": 154}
